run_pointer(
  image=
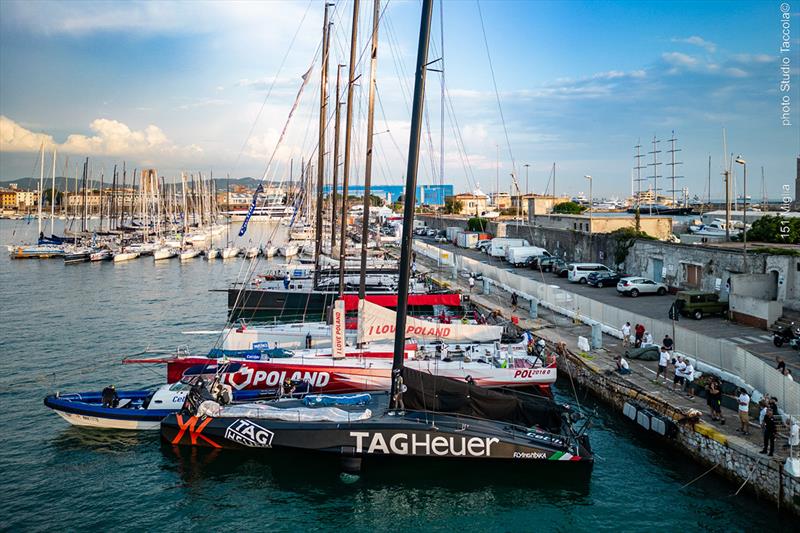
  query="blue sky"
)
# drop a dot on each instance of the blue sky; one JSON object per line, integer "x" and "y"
{"x": 179, "y": 86}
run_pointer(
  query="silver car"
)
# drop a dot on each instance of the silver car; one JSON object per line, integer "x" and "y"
{"x": 634, "y": 286}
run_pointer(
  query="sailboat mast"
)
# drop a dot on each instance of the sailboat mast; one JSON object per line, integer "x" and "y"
{"x": 410, "y": 192}
{"x": 347, "y": 137}
{"x": 323, "y": 109}
{"x": 336, "y": 128}
{"x": 53, "y": 197}
{"x": 368, "y": 168}
{"x": 41, "y": 180}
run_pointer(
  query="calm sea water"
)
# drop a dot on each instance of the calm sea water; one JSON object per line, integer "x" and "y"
{"x": 67, "y": 327}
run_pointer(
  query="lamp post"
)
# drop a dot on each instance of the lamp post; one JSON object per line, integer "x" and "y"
{"x": 744, "y": 212}
{"x": 588, "y": 177}
{"x": 527, "y": 166}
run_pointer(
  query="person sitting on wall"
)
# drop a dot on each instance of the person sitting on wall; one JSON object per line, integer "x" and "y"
{"x": 622, "y": 365}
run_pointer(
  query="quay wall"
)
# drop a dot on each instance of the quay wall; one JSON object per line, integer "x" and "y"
{"x": 709, "y": 353}
{"x": 748, "y": 469}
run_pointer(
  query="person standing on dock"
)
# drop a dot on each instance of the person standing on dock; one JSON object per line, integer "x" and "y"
{"x": 769, "y": 433}
{"x": 287, "y": 279}
{"x": 639, "y": 332}
{"x": 688, "y": 377}
{"x": 663, "y": 361}
{"x": 626, "y": 335}
{"x": 744, "y": 412}
{"x": 514, "y": 300}
{"x": 471, "y": 283}
{"x": 668, "y": 343}
{"x": 679, "y": 366}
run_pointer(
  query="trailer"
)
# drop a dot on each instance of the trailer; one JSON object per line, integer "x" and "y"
{"x": 518, "y": 255}
{"x": 500, "y": 245}
{"x": 468, "y": 239}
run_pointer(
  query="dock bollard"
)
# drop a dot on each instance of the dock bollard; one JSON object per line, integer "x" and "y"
{"x": 534, "y": 311}
{"x": 597, "y": 335}
{"x": 486, "y": 286}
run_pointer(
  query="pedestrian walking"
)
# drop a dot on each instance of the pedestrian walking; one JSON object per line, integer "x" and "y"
{"x": 744, "y": 412}
{"x": 471, "y": 283}
{"x": 514, "y": 301}
{"x": 626, "y": 335}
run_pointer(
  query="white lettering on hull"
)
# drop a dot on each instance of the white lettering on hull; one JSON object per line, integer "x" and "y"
{"x": 423, "y": 444}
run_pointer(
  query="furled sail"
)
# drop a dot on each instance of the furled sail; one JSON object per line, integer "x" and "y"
{"x": 378, "y": 323}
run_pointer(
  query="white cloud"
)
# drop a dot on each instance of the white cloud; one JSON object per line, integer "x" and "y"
{"x": 753, "y": 58}
{"x": 696, "y": 40}
{"x": 679, "y": 59}
{"x": 111, "y": 138}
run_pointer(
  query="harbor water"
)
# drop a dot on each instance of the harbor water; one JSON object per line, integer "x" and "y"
{"x": 66, "y": 328}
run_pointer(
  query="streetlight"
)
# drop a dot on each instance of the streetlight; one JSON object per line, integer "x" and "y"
{"x": 527, "y": 166}
{"x": 744, "y": 213}
{"x": 588, "y": 177}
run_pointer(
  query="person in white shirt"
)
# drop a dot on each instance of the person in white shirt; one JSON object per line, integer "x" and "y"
{"x": 688, "y": 377}
{"x": 744, "y": 412}
{"x": 648, "y": 338}
{"x": 663, "y": 361}
{"x": 626, "y": 334}
{"x": 622, "y": 365}
{"x": 471, "y": 283}
{"x": 679, "y": 366}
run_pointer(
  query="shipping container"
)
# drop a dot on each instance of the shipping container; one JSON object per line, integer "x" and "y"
{"x": 500, "y": 245}
{"x": 452, "y": 231}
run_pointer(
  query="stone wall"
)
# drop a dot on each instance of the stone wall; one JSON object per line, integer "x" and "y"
{"x": 703, "y": 443}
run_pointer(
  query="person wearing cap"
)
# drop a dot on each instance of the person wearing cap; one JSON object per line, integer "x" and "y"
{"x": 110, "y": 397}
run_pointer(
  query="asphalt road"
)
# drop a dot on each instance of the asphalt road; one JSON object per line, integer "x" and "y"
{"x": 757, "y": 341}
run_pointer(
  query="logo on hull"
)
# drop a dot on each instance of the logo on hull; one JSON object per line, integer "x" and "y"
{"x": 423, "y": 444}
{"x": 249, "y": 434}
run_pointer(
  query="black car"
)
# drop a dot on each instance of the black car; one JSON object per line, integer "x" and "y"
{"x": 604, "y": 279}
{"x": 545, "y": 263}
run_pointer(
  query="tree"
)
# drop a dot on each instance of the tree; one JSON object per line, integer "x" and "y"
{"x": 775, "y": 229}
{"x": 453, "y": 206}
{"x": 568, "y": 208}
{"x": 477, "y": 224}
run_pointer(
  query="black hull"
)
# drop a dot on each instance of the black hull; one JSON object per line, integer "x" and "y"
{"x": 380, "y": 439}
{"x": 255, "y": 304}
{"x": 678, "y": 211}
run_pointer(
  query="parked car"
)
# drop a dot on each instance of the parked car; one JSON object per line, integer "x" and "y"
{"x": 545, "y": 263}
{"x": 441, "y": 238}
{"x": 634, "y": 286}
{"x": 604, "y": 279}
{"x": 560, "y": 268}
{"x": 430, "y": 232}
{"x": 697, "y": 304}
{"x": 579, "y": 273}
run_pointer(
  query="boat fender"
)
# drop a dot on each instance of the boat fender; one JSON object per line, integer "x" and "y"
{"x": 658, "y": 425}
{"x": 643, "y": 419}
{"x": 629, "y": 410}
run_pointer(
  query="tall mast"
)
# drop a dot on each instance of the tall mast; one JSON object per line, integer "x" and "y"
{"x": 53, "y": 197}
{"x": 112, "y": 216}
{"x": 655, "y": 164}
{"x": 410, "y": 197}
{"x": 41, "y": 190}
{"x": 323, "y": 109}
{"x": 100, "y": 198}
{"x": 336, "y": 156}
{"x": 183, "y": 195}
{"x": 347, "y": 136}
{"x": 672, "y": 164}
{"x": 368, "y": 168}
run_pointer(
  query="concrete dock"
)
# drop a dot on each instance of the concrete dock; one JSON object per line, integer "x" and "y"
{"x": 719, "y": 446}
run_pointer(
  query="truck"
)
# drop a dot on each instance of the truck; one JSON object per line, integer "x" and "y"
{"x": 451, "y": 232}
{"x": 517, "y": 255}
{"x": 501, "y": 244}
{"x": 467, "y": 239}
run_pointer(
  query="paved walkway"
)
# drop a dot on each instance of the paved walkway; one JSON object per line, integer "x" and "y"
{"x": 754, "y": 340}
{"x": 558, "y": 328}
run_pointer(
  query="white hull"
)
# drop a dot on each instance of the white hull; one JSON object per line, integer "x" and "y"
{"x": 164, "y": 253}
{"x": 252, "y": 252}
{"x": 125, "y": 256}
{"x": 213, "y": 253}
{"x": 270, "y": 251}
{"x": 107, "y": 423}
{"x": 227, "y": 253}
{"x": 189, "y": 254}
{"x": 288, "y": 251}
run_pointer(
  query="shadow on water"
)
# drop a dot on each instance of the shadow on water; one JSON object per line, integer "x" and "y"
{"x": 297, "y": 471}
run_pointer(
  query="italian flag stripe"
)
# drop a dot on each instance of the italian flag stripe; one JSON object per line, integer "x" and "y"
{"x": 556, "y": 456}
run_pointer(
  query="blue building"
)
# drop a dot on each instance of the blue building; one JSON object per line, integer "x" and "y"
{"x": 426, "y": 194}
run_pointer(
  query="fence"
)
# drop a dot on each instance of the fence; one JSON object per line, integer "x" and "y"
{"x": 715, "y": 352}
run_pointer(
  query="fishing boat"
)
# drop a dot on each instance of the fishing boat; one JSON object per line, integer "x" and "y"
{"x": 135, "y": 409}
{"x": 165, "y": 253}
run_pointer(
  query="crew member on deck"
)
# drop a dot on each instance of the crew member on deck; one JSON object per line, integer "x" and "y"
{"x": 110, "y": 397}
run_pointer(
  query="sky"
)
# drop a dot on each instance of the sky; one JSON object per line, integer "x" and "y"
{"x": 207, "y": 87}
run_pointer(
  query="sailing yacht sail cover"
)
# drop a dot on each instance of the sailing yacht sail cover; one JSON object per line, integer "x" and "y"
{"x": 378, "y": 323}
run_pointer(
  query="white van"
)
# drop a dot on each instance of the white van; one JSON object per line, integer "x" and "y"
{"x": 519, "y": 254}
{"x": 579, "y": 272}
{"x": 501, "y": 244}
